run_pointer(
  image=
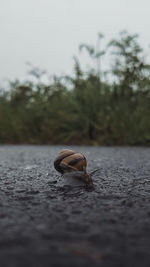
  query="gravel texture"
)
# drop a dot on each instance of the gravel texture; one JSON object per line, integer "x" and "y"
{"x": 46, "y": 221}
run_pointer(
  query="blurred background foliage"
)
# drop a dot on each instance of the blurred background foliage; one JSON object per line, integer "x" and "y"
{"x": 86, "y": 108}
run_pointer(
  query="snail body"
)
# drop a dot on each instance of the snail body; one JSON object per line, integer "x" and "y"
{"x": 70, "y": 161}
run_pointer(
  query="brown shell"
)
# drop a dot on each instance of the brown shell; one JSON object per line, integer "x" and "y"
{"x": 70, "y": 160}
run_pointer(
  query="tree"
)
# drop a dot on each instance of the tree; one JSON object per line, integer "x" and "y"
{"x": 95, "y": 53}
{"x": 129, "y": 67}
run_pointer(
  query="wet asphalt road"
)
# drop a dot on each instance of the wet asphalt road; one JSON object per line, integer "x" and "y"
{"x": 45, "y": 222}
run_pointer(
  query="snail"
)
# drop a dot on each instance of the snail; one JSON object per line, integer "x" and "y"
{"x": 74, "y": 163}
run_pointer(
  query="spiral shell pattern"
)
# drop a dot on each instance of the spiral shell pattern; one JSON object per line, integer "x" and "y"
{"x": 71, "y": 159}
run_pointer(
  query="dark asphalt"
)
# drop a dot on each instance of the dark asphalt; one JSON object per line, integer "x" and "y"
{"x": 44, "y": 223}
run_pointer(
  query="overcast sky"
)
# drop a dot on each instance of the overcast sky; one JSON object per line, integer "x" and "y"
{"x": 48, "y": 32}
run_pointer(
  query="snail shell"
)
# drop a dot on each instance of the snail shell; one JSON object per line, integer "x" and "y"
{"x": 68, "y": 160}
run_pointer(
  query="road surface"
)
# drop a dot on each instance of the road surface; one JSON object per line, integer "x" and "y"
{"x": 47, "y": 222}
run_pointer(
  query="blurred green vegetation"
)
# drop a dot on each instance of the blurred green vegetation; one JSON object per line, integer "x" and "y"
{"x": 86, "y": 108}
